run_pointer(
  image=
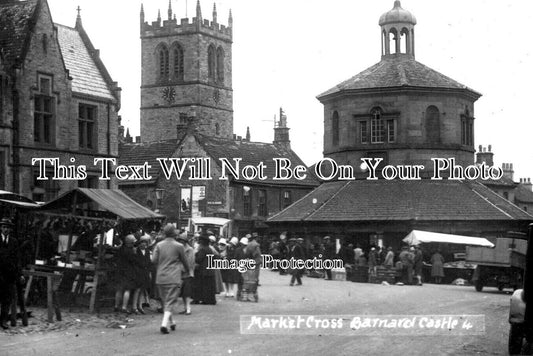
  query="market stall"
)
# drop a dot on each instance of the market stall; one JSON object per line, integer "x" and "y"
{"x": 91, "y": 220}
{"x": 416, "y": 237}
{"x": 454, "y": 269}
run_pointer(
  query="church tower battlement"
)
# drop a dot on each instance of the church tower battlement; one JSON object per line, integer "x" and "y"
{"x": 186, "y": 72}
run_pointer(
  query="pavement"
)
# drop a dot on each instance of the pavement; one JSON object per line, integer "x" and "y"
{"x": 216, "y": 329}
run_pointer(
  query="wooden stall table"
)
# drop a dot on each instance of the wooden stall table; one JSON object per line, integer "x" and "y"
{"x": 51, "y": 298}
{"x": 80, "y": 272}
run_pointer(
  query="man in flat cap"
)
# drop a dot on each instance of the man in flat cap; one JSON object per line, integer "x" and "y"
{"x": 9, "y": 269}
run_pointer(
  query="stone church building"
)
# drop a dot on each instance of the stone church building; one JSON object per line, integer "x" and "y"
{"x": 405, "y": 113}
{"x": 56, "y": 100}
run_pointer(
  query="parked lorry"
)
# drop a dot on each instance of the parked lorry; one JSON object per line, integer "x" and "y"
{"x": 218, "y": 226}
{"x": 521, "y": 311}
{"x": 501, "y": 267}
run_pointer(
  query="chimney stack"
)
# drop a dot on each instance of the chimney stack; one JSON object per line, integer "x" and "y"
{"x": 485, "y": 155}
{"x": 508, "y": 170}
{"x": 526, "y": 183}
{"x": 281, "y": 131}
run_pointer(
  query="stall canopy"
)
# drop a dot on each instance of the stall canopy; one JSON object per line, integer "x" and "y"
{"x": 13, "y": 199}
{"x": 112, "y": 200}
{"x": 416, "y": 237}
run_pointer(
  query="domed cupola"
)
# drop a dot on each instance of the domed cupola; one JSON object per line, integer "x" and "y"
{"x": 397, "y": 31}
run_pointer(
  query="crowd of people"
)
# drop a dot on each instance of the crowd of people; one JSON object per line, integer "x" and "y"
{"x": 174, "y": 264}
{"x": 170, "y": 264}
{"x": 407, "y": 262}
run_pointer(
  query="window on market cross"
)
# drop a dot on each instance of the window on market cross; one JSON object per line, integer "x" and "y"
{"x": 378, "y": 129}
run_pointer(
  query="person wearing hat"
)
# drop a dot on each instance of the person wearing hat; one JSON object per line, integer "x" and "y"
{"x": 187, "y": 278}
{"x": 253, "y": 251}
{"x": 215, "y": 248}
{"x": 230, "y": 277}
{"x": 296, "y": 252}
{"x": 329, "y": 253}
{"x": 143, "y": 273}
{"x": 204, "y": 289}
{"x": 10, "y": 271}
{"x": 389, "y": 258}
{"x": 170, "y": 260}
{"x": 418, "y": 264}
{"x": 128, "y": 265}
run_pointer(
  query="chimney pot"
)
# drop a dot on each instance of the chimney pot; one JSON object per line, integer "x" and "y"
{"x": 490, "y": 148}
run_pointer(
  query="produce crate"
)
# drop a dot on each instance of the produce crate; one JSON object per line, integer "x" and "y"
{"x": 384, "y": 275}
{"x": 338, "y": 274}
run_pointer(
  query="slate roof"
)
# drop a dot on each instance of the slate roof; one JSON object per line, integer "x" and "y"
{"x": 504, "y": 181}
{"x": 523, "y": 194}
{"x": 86, "y": 76}
{"x": 398, "y": 71}
{"x": 382, "y": 200}
{"x": 16, "y": 22}
{"x": 138, "y": 153}
{"x": 251, "y": 153}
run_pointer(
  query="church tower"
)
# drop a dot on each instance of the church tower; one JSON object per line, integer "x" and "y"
{"x": 186, "y": 75}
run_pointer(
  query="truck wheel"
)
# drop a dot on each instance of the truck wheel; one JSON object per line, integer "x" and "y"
{"x": 516, "y": 339}
{"x": 479, "y": 285}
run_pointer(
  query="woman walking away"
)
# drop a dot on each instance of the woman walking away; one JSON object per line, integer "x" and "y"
{"x": 186, "y": 279}
{"x": 204, "y": 289}
{"x": 230, "y": 276}
{"x": 437, "y": 268}
{"x": 168, "y": 254}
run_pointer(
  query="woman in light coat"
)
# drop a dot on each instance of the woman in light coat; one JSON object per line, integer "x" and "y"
{"x": 169, "y": 257}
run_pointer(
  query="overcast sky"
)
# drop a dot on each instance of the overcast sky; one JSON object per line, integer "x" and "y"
{"x": 286, "y": 52}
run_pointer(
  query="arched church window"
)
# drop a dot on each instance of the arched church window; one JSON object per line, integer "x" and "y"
{"x": 178, "y": 66}
{"x": 220, "y": 65}
{"x": 432, "y": 124}
{"x": 335, "y": 129}
{"x": 211, "y": 63}
{"x": 164, "y": 63}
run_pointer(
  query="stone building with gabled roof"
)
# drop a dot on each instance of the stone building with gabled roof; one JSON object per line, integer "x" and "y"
{"x": 247, "y": 202}
{"x": 57, "y": 100}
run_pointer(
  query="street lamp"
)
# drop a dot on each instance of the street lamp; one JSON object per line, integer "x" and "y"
{"x": 159, "y": 194}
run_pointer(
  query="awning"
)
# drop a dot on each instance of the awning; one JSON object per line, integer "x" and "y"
{"x": 21, "y": 204}
{"x": 112, "y": 200}
{"x": 14, "y": 199}
{"x": 209, "y": 221}
{"x": 416, "y": 237}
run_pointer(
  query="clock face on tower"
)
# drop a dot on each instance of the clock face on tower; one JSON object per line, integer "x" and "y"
{"x": 168, "y": 94}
